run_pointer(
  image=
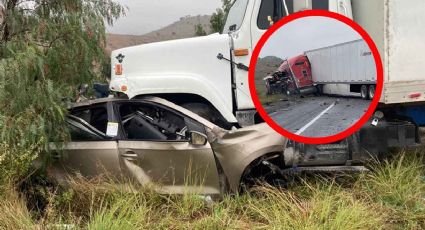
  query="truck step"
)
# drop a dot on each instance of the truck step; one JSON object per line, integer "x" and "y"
{"x": 356, "y": 169}
{"x": 332, "y": 147}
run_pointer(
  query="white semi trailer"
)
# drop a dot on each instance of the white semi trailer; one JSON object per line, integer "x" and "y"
{"x": 397, "y": 27}
{"x": 346, "y": 69}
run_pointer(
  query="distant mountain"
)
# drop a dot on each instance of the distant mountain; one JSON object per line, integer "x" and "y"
{"x": 265, "y": 66}
{"x": 184, "y": 28}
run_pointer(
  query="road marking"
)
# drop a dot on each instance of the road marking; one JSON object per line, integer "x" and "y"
{"x": 315, "y": 119}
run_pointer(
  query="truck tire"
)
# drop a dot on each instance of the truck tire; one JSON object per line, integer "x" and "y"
{"x": 364, "y": 90}
{"x": 371, "y": 92}
{"x": 209, "y": 113}
{"x": 319, "y": 90}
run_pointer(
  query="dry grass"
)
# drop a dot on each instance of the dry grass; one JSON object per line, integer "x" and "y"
{"x": 13, "y": 212}
{"x": 391, "y": 197}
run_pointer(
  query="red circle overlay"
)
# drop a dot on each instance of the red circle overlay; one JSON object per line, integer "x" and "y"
{"x": 363, "y": 119}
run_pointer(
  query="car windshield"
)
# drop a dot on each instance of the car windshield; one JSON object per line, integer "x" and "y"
{"x": 235, "y": 16}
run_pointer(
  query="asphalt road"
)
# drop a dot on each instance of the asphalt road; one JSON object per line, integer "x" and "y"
{"x": 319, "y": 116}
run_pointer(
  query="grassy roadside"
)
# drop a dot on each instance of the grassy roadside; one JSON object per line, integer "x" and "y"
{"x": 264, "y": 98}
{"x": 391, "y": 197}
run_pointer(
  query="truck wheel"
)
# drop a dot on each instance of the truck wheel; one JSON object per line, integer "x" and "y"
{"x": 286, "y": 92}
{"x": 319, "y": 90}
{"x": 209, "y": 113}
{"x": 364, "y": 92}
{"x": 371, "y": 92}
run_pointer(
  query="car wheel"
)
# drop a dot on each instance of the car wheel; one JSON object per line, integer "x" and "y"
{"x": 371, "y": 91}
{"x": 364, "y": 92}
{"x": 35, "y": 189}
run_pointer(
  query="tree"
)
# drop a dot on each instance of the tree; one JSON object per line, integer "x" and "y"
{"x": 199, "y": 30}
{"x": 47, "y": 48}
{"x": 218, "y": 19}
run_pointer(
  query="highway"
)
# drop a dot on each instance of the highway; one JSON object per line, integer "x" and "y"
{"x": 319, "y": 116}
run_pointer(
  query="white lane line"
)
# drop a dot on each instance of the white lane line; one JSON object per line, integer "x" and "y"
{"x": 315, "y": 119}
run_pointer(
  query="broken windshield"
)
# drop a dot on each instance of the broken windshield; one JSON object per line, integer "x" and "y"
{"x": 235, "y": 16}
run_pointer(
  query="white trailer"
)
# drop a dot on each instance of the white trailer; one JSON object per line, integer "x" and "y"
{"x": 343, "y": 69}
{"x": 397, "y": 27}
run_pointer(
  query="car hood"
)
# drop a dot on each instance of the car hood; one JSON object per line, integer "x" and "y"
{"x": 237, "y": 149}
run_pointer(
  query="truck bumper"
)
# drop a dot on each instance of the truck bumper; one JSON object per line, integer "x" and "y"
{"x": 375, "y": 141}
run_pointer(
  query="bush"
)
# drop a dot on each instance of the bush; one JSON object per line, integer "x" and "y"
{"x": 45, "y": 51}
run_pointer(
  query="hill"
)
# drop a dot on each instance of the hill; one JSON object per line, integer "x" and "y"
{"x": 265, "y": 66}
{"x": 184, "y": 28}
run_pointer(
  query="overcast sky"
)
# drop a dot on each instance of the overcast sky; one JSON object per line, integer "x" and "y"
{"x": 144, "y": 16}
{"x": 307, "y": 34}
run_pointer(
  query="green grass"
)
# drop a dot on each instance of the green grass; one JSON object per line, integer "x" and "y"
{"x": 390, "y": 197}
{"x": 269, "y": 99}
{"x": 264, "y": 98}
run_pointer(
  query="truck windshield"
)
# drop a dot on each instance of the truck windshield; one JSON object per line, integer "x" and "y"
{"x": 272, "y": 11}
{"x": 235, "y": 16}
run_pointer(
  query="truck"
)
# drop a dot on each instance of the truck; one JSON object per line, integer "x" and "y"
{"x": 299, "y": 70}
{"x": 292, "y": 77}
{"x": 209, "y": 75}
{"x": 346, "y": 69}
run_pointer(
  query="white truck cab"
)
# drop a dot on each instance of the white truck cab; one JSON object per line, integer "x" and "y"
{"x": 209, "y": 74}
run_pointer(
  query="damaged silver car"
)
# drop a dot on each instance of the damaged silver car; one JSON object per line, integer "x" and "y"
{"x": 165, "y": 146}
{"x": 156, "y": 142}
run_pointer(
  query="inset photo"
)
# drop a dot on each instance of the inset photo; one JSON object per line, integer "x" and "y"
{"x": 315, "y": 77}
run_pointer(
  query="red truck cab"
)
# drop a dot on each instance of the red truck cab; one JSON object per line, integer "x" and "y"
{"x": 299, "y": 69}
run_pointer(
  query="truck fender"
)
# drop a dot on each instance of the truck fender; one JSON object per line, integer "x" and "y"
{"x": 175, "y": 84}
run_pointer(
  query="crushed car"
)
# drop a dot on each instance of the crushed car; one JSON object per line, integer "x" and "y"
{"x": 162, "y": 145}
{"x": 155, "y": 142}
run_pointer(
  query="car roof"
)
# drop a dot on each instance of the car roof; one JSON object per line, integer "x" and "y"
{"x": 95, "y": 101}
{"x": 150, "y": 99}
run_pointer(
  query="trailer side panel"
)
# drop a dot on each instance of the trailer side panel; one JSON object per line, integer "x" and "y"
{"x": 347, "y": 63}
{"x": 397, "y": 27}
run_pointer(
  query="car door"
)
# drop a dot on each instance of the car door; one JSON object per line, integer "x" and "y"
{"x": 90, "y": 153}
{"x": 155, "y": 151}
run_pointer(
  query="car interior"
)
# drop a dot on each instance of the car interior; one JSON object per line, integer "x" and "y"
{"x": 148, "y": 122}
{"x": 88, "y": 124}
{"x": 96, "y": 117}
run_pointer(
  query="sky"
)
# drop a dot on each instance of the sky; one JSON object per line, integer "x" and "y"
{"x": 307, "y": 34}
{"x": 144, "y": 16}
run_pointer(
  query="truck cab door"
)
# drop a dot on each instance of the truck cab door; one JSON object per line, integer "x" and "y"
{"x": 153, "y": 155}
{"x": 267, "y": 12}
{"x": 256, "y": 17}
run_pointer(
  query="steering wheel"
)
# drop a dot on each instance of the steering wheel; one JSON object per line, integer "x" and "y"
{"x": 182, "y": 133}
